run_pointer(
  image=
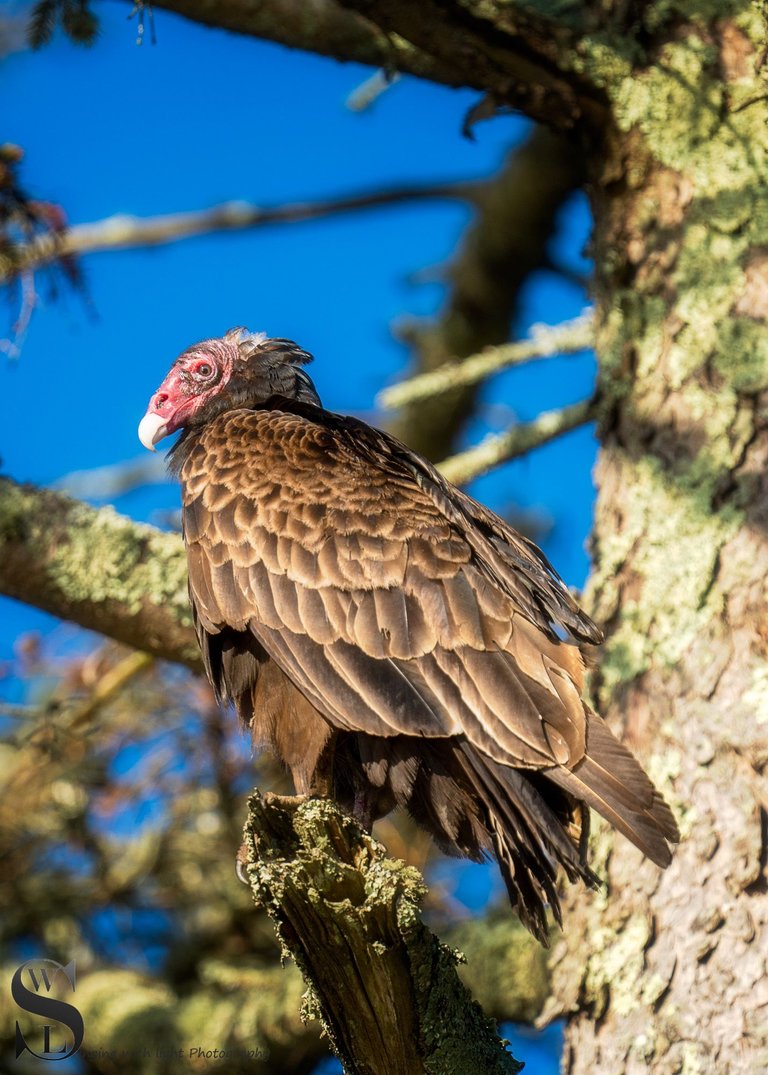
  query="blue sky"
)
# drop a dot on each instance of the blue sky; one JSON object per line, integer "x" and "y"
{"x": 206, "y": 116}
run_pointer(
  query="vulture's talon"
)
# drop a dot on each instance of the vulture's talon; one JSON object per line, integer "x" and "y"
{"x": 362, "y": 812}
{"x": 241, "y": 865}
{"x": 289, "y": 803}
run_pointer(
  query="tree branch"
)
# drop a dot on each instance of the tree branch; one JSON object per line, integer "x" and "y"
{"x": 385, "y": 989}
{"x": 123, "y": 231}
{"x": 545, "y": 341}
{"x": 97, "y": 568}
{"x": 501, "y": 448}
{"x": 320, "y": 26}
{"x": 518, "y": 55}
{"x": 516, "y": 214}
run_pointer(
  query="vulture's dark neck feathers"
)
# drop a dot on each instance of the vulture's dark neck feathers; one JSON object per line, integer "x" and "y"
{"x": 268, "y": 377}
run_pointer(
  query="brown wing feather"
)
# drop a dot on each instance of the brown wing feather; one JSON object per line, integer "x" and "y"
{"x": 610, "y": 780}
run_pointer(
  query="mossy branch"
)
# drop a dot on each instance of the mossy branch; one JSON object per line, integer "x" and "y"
{"x": 98, "y": 569}
{"x": 385, "y": 989}
{"x": 123, "y": 232}
{"x": 545, "y": 341}
{"x": 502, "y": 447}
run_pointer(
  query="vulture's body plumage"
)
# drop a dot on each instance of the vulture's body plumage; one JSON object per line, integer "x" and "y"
{"x": 395, "y": 642}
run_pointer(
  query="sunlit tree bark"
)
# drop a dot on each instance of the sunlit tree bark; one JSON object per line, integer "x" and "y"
{"x": 668, "y": 972}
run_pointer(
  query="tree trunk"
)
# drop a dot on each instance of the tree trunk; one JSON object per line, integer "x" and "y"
{"x": 668, "y": 972}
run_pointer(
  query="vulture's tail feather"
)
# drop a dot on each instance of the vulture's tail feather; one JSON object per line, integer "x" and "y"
{"x": 528, "y": 830}
{"x": 611, "y": 781}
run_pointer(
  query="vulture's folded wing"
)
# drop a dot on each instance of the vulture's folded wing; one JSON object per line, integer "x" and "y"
{"x": 381, "y": 591}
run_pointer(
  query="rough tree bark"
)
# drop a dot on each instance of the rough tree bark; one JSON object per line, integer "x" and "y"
{"x": 669, "y": 972}
{"x": 385, "y": 989}
{"x": 506, "y": 242}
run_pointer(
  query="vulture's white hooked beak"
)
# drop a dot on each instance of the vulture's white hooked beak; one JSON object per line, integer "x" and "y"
{"x": 152, "y": 428}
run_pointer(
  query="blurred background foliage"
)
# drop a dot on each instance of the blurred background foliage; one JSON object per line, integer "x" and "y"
{"x": 124, "y": 792}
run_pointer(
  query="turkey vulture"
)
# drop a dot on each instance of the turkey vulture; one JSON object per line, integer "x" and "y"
{"x": 391, "y": 639}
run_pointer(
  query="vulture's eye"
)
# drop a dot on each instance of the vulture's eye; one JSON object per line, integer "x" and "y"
{"x": 203, "y": 371}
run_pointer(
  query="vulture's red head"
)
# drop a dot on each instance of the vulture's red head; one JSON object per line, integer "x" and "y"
{"x": 241, "y": 369}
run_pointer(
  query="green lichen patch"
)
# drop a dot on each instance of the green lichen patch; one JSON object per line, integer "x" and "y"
{"x": 674, "y": 538}
{"x": 756, "y": 696}
{"x": 619, "y": 970}
{"x": 99, "y": 568}
{"x": 350, "y": 917}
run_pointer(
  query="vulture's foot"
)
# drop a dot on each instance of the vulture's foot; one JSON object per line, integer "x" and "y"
{"x": 241, "y": 861}
{"x": 362, "y": 810}
{"x": 285, "y": 802}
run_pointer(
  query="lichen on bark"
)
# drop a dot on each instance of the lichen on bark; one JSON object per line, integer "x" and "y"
{"x": 675, "y": 973}
{"x": 93, "y": 566}
{"x": 385, "y": 989}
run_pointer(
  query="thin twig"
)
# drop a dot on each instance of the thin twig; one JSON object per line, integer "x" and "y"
{"x": 368, "y": 92}
{"x": 121, "y": 231}
{"x": 543, "y": 342}
{"x": 20, "y": 712}
{"x": 108, "y": 686}
{"x": 501, "y": 448}
{"x": 115, "y": 479}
